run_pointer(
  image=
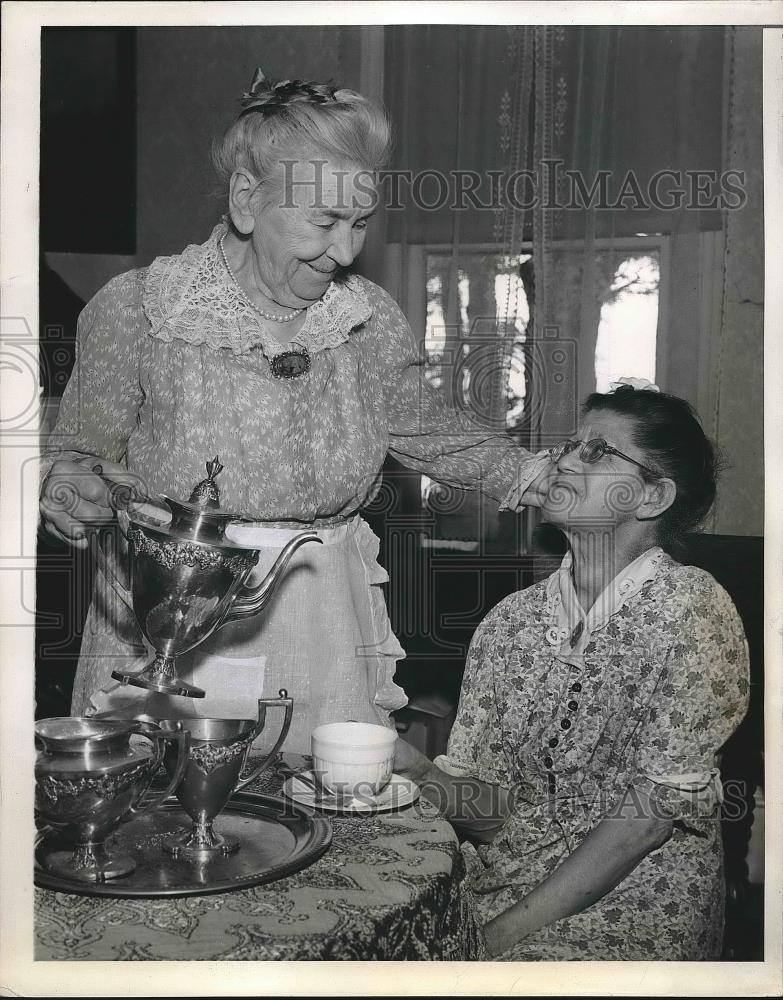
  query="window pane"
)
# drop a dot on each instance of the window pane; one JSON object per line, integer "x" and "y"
{"x": 479, "y": 362}
{"x": 628, "y": 326}
{"x": 482, "y": 354}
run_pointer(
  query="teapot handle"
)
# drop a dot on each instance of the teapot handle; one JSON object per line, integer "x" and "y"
{"x": 154, "y": 733}
{"x": 283, "y": 701}
{"x": 104, "y": 561}
{"x": 121, "y": 497}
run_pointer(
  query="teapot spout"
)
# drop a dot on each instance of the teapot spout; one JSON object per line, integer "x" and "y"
{"x": 254, "y": 599}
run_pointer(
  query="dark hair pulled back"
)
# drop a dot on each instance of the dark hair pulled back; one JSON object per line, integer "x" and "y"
{"x": 668, "y": 431}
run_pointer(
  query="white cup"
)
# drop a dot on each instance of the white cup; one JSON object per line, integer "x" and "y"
{"x": 353, "y": 758}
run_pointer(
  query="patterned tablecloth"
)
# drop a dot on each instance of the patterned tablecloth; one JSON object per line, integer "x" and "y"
{"x": 390, "y": 887}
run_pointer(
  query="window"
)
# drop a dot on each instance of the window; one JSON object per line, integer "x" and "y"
{"x": 627, "y": 331}
{"x": 480, "y": 362}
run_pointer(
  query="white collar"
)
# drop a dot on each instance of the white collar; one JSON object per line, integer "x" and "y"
{"x": 569, "y": 627}
{"x": 192, "y": 297}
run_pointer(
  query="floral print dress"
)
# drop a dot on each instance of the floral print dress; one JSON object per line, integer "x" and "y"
{"x": 572, "y": 710}
{"x": 173, "y": 369}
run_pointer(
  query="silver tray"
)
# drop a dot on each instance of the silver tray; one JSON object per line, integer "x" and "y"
{"x": 276, "y": 838}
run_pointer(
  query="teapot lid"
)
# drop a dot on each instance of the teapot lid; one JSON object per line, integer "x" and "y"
{"x": 206, "y": 494}
{"x": 200, "y": 517}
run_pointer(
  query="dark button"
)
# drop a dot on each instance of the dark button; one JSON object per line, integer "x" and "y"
{"x": 548, "y": 761}
{"x": 576, "y": 686}
{"x": 565, "y": 724}
{"x": 554, "y": 741}
{"x": 573, "y": 705}
{"x": 550, "y": 780}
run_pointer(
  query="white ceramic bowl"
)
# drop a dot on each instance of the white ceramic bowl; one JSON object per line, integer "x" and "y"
{"x": 354, "y": 758}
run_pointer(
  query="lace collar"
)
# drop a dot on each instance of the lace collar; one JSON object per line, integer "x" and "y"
{"x": 569, "y": 627}
{"x": 191, "y": 297}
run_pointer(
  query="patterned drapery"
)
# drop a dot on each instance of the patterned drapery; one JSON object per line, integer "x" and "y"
{"x": 623, "y": 131}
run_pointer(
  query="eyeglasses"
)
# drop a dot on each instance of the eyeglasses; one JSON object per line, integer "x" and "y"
{"x": 593, "y": 451}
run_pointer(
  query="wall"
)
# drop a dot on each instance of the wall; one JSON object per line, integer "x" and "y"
{"x": 188, "y": 82}
{"x": 715, "y": 322}
{"x": 739, "y": 406}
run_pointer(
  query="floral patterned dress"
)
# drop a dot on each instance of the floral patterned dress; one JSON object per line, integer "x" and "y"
{"x": 573, "y": 709}
{"x": 173, "y": 369}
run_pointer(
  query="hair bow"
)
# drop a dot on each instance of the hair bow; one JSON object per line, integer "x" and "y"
{"x": 266, "y": 96}
{"x": 259, "y": 77}
{"x": 640, "y": 384}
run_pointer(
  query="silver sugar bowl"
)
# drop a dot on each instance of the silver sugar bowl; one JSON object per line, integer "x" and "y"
{"x": 88, "y": 780}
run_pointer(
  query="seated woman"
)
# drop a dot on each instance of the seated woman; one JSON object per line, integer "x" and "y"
{"x": 582, "y": 763}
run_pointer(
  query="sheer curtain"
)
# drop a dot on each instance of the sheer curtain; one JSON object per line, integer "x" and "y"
{"x": 637, "y": 109}
{"x": 674, "y": 116}
{"x": 456, "y": 114}
{"x": 611, "y": 258}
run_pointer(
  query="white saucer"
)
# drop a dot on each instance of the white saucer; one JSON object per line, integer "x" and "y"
{"x": 398, "y": 793}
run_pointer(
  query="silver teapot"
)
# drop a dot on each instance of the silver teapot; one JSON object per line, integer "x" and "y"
{"x": 187, "y": 580}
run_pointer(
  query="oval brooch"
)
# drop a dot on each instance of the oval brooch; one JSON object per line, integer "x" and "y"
{"x": 291, "y": 364}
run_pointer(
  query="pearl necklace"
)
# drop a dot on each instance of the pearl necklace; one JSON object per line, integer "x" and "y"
{"x": 285, "y": 318}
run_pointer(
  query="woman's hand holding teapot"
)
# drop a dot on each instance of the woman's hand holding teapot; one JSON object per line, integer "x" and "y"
{"x": 77, "y": 496}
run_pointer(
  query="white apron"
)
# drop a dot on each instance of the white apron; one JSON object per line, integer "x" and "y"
{"x": 325, "y": 637}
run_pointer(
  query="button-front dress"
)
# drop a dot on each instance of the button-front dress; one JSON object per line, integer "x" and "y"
{"x": 572, "y": 708}
{"x": 173, "y": 369}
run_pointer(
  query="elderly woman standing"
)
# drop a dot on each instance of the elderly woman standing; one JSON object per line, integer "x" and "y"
{"x": 259, "y": 347}
{"x": 582, "y": 763}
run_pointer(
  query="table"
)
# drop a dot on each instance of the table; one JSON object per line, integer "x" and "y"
{"x": 389, "y": 888}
